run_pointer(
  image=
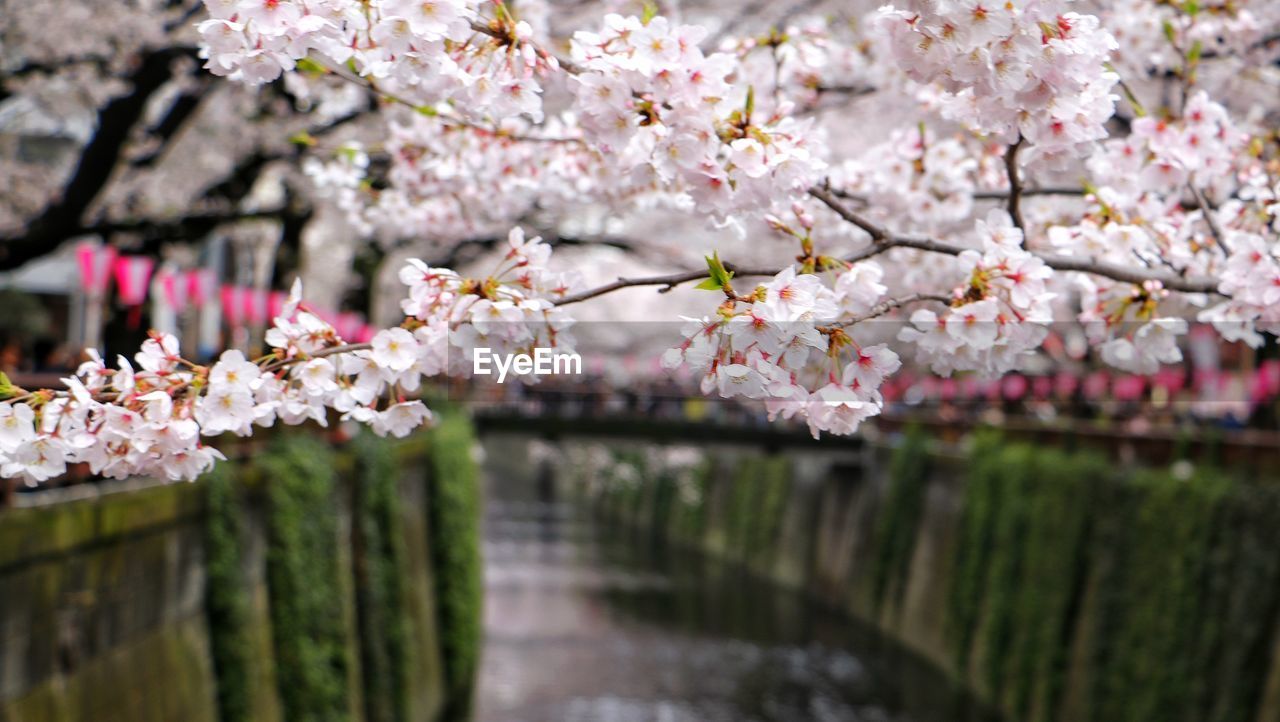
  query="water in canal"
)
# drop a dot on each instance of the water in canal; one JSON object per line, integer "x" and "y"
{"x": 589, "y": 622}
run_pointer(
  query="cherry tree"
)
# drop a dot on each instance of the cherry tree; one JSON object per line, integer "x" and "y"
{"x": 1023, "y": 164}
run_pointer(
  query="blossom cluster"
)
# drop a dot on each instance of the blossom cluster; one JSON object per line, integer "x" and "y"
{"x": 442, "y": 178}
{"x": 781, "y": 345}
{"x": 511, "y": 311}
{"x": 1000, "y": 314}
{"x": 1157, "y": 36}
{"x": 916, "y": 176}
{"x": 422, "y": 51}
{"x": 662, "y": 109}
{"x": 1012, "y": 69}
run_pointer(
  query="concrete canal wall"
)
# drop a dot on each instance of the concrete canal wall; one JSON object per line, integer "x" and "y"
{"x": 1057, "y": 585}
{"x": 304, "y": 584}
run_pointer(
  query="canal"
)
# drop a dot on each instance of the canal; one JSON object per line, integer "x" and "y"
{"x": 588, "y": 621}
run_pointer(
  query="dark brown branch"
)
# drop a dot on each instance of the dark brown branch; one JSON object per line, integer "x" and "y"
{"x": 182, "y": 110}
{"x": 64, "y": 217}
{"x": 668, "y": 281}
{"x": 1028, "y": 192}
{"x": 1014, "y": 205}
{"x": 882, "y": 240}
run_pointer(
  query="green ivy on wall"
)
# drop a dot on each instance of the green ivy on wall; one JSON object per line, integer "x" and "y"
{"x": 898, "y": 522}
{"x": 307, "y": 617}
{"x": 454, "y": 511}
{"x": 226, "y": 599}
{"x": 379, "y": 564}
{"x": 1182, "y": 573}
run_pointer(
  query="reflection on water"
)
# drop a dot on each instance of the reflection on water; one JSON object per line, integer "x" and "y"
{"x": 587, "y": 622}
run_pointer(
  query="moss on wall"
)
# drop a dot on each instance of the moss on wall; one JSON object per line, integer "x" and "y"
{"x": 307, "y": 615}
{"x": 226, "y": 597}
{"x": 165, "y": 590}
{"x": 898, "y": 523}
{"x": 1184, "y": 604}
{"x": 379, "y": 565}
{"x": 454, "y": 510}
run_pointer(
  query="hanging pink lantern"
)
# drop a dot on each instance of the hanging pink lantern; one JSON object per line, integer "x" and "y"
{"x": 275, "y": 303}
{"x": 232, "y": 305}
{"x": 173, "y": 285}
{"x": 1095, "y": 385}
{"x": 1129, "y": 387}
{"x": 1258, "y": 392}
{"x": 96, "y": 265}
{"x": 133, "y": 273}
{"x": 133, "y": 277}
{"x": 254, "y": 301}
{"x": 1065, "y": 384}
{"x": 1014, "y": 387}
{"x": 1042, "y": 387}
{"x": 1270, "y": 372}
{"x": 1171, "y": 380}
{"x": 201, "y": 284}
{"x": 348, "y": 325}
{"x": 366, "y": 334}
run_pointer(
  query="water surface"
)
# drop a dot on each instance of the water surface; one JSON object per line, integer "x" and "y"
{"x": 585, "y": 621}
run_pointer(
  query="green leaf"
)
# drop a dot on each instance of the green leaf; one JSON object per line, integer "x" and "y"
{"x": 311, "y": 67}
{"x": 1193, "y": 57}
{"x": 427, "y": 110}
{"x": 1169, "y": 33}
{"x": 650, "y": 12}
{"x": 751, "y": 101}
{"x": 720, "y": 276}
{"x": 303, "y": 138}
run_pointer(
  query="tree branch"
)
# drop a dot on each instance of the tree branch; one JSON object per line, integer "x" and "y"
{"x": 883, "y": 240}
{"x": 1028, "y": 192}
{"x": 1014, "y": 205}
{"x": 670, "y": 281}
{"x": 884, "y": 307}
{"x": 63, "y": 217}
{"x": 1206, "y": 210}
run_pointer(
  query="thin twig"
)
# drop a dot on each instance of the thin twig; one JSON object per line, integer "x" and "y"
{"x": 1207, "y": 211}
{"x": 669, "y": 281}
{"x": 322, "y": 353}
{"x": 884, "y": 307}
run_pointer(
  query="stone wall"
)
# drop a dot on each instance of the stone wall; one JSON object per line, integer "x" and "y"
{"x": 299, "y": 584}
{"x": 1058, "y": 586}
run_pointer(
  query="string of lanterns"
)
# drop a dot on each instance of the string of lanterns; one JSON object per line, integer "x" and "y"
{"x": 133, "y": 277}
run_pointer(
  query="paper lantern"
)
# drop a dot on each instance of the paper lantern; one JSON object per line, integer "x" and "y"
{"x": 173, "y": 285}
{"x": 133, "y": 274}
{"x": 275, "y": 303}
{"x": 349, "y": 324}
{"x": 254, "y": 301}
{"x": 201, "y": 284}
{"x": 1014, "y": 387}
{"x": 232, "y": 305}
{"x": 96, "y": 265}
